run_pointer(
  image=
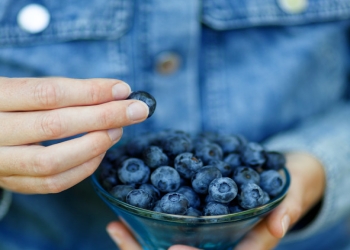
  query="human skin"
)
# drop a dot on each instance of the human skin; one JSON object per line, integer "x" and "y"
{"x": 33, "y": 110}
{"x": 306, "y": 189}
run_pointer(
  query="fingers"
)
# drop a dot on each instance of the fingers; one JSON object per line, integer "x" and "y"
{"x": 268, "y": 232}
{"x": 37, "y": 160}
{"x": 27, "y": 127}
{"x": 122, "y": 237}
{"x": 51, "y": 184}
{"x": 19, "y": 94}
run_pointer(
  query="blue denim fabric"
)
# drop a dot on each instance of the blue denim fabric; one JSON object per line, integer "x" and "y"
{"x": 245, "y": 67}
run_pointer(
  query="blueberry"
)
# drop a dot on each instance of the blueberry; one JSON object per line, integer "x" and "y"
{"x": 146, "y": 98}
{"x": 202, "y": 179}
{"x": 166, "y": 179}
{"x": 137, "y": 145}
{"x": 116, "y": 155}
{"x": 140, "y": 198}
{"x": 187, "y": 164}
{"x": 223, "y": 189}
{"x": 271, "y": 182}
{"x": 121, "y": 191}
{"x": 109, "y": 182}
{"x": 133, "y": 171}
{"x": 152, "y": 190}
{"x": 274, "y": 161}
{"x": 266, "y": 198}
{"x": 174, "y": 203}
{"x": 234, "y": 160}
{"x": 209, "y": 152}
{"x": 215, "y": 208}
{"x": 253, "y": 155}
{"x": 108, "y": 175}
{"x": 208, "y": 199}
{"x": 243, "y": 175}
{"x": 193, "y": 212}
{"x": 157, "y": 207}
{"x": 191, "y": 195}
{"x": 208, "y": 135}
{"x": 243, "y": 140}
{"x": 235, "y": 209}
{"x": 175, "y": 145}
{"x": 224, "y": 167}
{"x": 154, "y": 157}
{"x": 251, "y": 196}
{"x": 200, "y": 142}
{"x": 229, "y": 144}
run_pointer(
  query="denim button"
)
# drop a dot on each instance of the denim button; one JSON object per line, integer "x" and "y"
{"x": 167, "y": 63}
{"x": 33, "y": 18}
{"x": 293, "y": 6}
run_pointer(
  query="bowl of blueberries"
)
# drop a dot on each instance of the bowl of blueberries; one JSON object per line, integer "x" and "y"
{"x": 206, "y": 190}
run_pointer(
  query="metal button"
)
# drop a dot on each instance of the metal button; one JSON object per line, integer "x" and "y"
{"x": 33, "y": 18}
{"x": 167, "y": 63}
{"x": 293, "y": 6}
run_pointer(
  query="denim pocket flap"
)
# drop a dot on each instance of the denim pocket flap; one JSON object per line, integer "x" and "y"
{"x": 233, "y": 14}
{"x": 65, "y": 20}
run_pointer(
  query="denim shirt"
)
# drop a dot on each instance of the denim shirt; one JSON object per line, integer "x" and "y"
{"x": 270, "y": 70}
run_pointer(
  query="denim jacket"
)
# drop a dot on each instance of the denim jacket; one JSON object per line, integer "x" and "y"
{"x": 275, "y": 71}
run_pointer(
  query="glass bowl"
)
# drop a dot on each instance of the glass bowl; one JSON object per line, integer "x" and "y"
{"x": 155, "y": 230}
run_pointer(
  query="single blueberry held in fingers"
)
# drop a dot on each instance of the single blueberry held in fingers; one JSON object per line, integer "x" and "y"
{"x": 223, "y": 189}
{"x": 243, "y": 175}
{"x": 140, "y": 198}
{"x": 146, "y": 98}
{"x": 187, "y": 164}
{"x": 191, "y": 195}
{"x": 251, "y": 196}
{"x": 166, "y": 179}
{"x": 202, "y": 179}
{"x": 174, "y": 203}
{"x": 133, "y": 171}
{"x": 274, "y": 160}
{"x": 253, "y": 155}
{"x": 215, "y": 208}
{"x": 154, "y": 157}
{"x": 271, "y": 182}
{"x": 121, "y": 191}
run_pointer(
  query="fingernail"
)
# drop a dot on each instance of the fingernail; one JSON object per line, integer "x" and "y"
{"x": 121, "y": 91}
{"x": 137, "y": 111}
{"x": 285, "y": 224}
{"x": 114, "y": 235}
{"x": 115, "y": 133}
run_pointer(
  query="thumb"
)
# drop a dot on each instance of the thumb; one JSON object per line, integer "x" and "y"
{"x": 285, "y": 215}
{"x": 122, "y": 237}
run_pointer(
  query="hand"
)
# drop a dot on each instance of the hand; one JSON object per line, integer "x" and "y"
{"x": 306, "y": 189}
{"x": 35, "y": 110}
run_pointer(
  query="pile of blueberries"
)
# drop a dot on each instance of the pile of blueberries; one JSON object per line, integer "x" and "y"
{"x": 206, "y": 174}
